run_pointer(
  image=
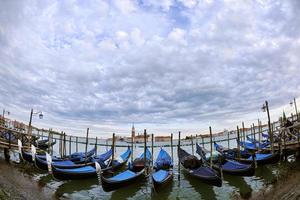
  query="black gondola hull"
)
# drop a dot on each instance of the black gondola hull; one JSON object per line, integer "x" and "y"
{"x": 160, "y": 185}
{"x": 109, "y": 185}
{"x": 241, "y": 172}
{"x": 63, "y": 175}
{"x": 270, "y": 160}
{"x": 41, "y": 164}
{"x": 215, "y": 181}
{"x": 60, "y": 175}
{"x": 211, "y": 179}
{"x": 27, "y": 156}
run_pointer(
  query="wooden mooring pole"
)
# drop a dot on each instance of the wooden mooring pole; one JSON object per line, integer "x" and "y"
{"x": 254, "y": 132}
{"x": 259, "y": 130}
{"x": 178, "y": 147}
{"x": 228, "y": 143}
{"x": 145, "y": 146}
{"x": 96, "y": 146}
{"x": 132, "y": 138}
{"x": 269, "y": 126}
{"x": 113, "y": 150}
{"x": 65, "y": 151}
{"x": 86, "y": 143}
{"x": 49, "y": 140}
{"x": 6, "y": 154}
{"x": 172, "y": 147}
{"x": 60, "y": 145}
{"x": 211, "y": 148}
{"x": 244, "y": 133}
{"x": 152, "y": 149}
{"x": 192, "y": 143}
{"x": 76, "y": 144}
{"x": 70, "y": 143}
{"x": 238, "y": 141}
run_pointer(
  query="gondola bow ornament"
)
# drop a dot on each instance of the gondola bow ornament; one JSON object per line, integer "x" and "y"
{"x": 33, "y": 152}
{"x": 49, "y": 163}
{"x": 20, "y": 149}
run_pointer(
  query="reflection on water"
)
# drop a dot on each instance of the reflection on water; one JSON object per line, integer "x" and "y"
{"x": 240, "y": 184}
{"x": 73, "y": 186}
{"x": 130, "y": 191}
{"x": 206, "y": 191}
{"x": 163, "y": 193}
{"x": 265, "y": 173}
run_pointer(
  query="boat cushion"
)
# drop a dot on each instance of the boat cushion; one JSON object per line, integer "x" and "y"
{"x": 261, "y": 156}
{"x": 160, "y": 175}
{"x": 64, "y": 163}
{"x": 163, "y": 161}
{"x": 85, "y": 169}
{"x": 104, "y": 156}
{"x": 126, "y": 155}
{"x": 204, "y": 171}
{"x": 232, "y": 165}
{"x": 123, "y": 176}
{"x": 148, "y": 155}
{"x": 191, "y": 162}
{"x": 54, "y": 158}
{"x": 248, "y": 145}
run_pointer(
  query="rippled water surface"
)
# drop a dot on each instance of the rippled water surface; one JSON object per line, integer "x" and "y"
{"x": 182, "y": 187}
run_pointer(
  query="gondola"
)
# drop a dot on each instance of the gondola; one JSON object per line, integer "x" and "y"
{"x": 228, "y": 166}
{"x": 68, "y": 164}
{"x": 163, "y": 174}
{"x": 195, "y": 168}
{"x": 246, "y": 157}
{"x": 75, "y": 157}
{"x": 127, "y": 177}
{"x": 44, "y": 144}
{"x": 89, "y": 171}
{"x": 139, "y": 163}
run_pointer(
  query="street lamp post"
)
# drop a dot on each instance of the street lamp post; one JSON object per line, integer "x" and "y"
{"x": 30, "y": 120}
{"x": 295, "y": 104}
{"x": 265, "y": 108}
{"x": 3, "y": 113}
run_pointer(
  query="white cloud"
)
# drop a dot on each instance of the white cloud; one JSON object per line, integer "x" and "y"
{"x": 137, "y": 37}
{"x": 189, "y": 3}
{"x": 161, "y": 4}
{"x": 177, "y": 35}
{"x": 125, "y": 6}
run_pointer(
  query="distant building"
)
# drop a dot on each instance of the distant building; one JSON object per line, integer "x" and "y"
{"x": 136, "y": 138}
{"x": 162, "y": 138}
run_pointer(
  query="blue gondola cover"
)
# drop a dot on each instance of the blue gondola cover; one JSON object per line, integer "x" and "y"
{"x": 160, "y": 175}
{"x": 163, "y": 161}
{"x": 123, "y": 176}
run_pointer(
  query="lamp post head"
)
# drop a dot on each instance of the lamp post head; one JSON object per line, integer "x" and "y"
{"x": 264, "y": 107}
{"x": 291, "y": 103}
{"x": 41, "y": 115}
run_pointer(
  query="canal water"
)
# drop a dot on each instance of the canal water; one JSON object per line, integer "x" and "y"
{"x": 182, "y": 187}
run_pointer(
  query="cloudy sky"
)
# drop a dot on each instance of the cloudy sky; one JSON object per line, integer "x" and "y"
{"x": 166, "y": 65}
